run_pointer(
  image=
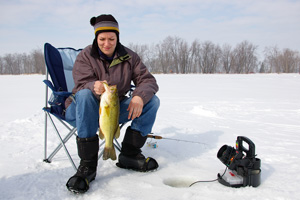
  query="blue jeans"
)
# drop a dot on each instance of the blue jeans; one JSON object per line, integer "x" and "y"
{"x": 84, "y": 114}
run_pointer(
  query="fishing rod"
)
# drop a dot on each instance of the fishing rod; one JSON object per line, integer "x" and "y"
{"x": 157, "y": 137}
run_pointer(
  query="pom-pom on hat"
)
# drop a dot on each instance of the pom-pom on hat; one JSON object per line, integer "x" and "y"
{"x": 105, "y": 23}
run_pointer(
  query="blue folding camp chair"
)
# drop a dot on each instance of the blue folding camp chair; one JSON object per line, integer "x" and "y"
{"x": 59, "y": 65}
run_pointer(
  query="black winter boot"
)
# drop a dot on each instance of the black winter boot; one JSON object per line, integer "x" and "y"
{"x": 88, "y": 152}
{"x": 131, "y": 156}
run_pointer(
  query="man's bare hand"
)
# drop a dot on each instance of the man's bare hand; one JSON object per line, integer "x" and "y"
{"x": 135, "y": 107}
{"x": 98, "y": 87}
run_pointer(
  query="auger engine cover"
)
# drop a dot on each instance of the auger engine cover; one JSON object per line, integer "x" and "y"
{"x": 243, "y": 170}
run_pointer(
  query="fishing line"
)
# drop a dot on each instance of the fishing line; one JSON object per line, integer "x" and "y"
{"x": 160, "y": 137}
{"x": 209, "y": 181}
{"x": 214, "y": 179}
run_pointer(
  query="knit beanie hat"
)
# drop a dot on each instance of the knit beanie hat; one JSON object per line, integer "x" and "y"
{"x": 105, "y": 23}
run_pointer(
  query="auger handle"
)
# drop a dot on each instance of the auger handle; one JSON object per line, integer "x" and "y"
{"x": 249, "y": 151}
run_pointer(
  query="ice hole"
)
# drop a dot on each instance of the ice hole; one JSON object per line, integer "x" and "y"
{"x": 179, "y": 182}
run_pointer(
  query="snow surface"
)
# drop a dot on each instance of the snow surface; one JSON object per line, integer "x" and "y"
{"x": 210, "y": 110}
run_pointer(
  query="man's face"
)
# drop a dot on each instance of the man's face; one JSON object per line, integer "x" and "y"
{"x": 107, "y": 42}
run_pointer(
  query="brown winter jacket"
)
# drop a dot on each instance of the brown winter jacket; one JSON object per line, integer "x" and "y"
{"x": 126, "y": 67}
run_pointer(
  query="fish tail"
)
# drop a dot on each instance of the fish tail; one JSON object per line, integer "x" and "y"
{"x": 109, "y": 152}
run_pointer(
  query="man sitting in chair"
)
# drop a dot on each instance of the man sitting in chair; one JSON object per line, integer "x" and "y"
{"x": 108, "y": 60}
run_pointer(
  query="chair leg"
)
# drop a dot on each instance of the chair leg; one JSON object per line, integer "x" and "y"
{"x": 62, "y": 144}
{"x": 117, "y": 145}
{"x": 45, "y": 138}
{"x": 65, "y": 140}
{"x": 46, "y": 124}
{"x": 101, "y": 153}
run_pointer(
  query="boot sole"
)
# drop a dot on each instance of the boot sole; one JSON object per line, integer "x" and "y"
{"x": 134, "y": 169}
{"x": 76, "y": 191}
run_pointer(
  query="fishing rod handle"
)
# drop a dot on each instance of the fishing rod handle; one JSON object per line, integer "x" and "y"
{"x": 155, "y": 137}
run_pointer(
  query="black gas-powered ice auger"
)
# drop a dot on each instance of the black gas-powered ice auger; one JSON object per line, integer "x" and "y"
{"x": 244, "y": 170}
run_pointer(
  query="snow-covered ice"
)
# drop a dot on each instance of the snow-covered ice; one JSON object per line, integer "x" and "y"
{"x": 210, "y": 110}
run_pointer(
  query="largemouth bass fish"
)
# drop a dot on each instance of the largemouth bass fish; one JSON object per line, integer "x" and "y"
{"x": 109, "y": 111}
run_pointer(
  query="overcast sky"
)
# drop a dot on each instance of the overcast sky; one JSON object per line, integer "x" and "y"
{"x": 27, "y": 24}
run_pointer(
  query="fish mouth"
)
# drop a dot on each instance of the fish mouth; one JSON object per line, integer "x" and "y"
{"x": 105, "y": 83}
{"x": 109, "y": 88}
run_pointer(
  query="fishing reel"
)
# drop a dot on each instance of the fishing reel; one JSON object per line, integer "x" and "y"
{"x": 243, "y": 169}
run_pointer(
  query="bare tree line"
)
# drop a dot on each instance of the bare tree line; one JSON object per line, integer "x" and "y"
{"x": 280, "y": 61}
{"x": 17, "y": 63}
{"x": 175, "y": 55}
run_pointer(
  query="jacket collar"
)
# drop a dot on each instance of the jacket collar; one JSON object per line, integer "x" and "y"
{"x": 120, "y": 50}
